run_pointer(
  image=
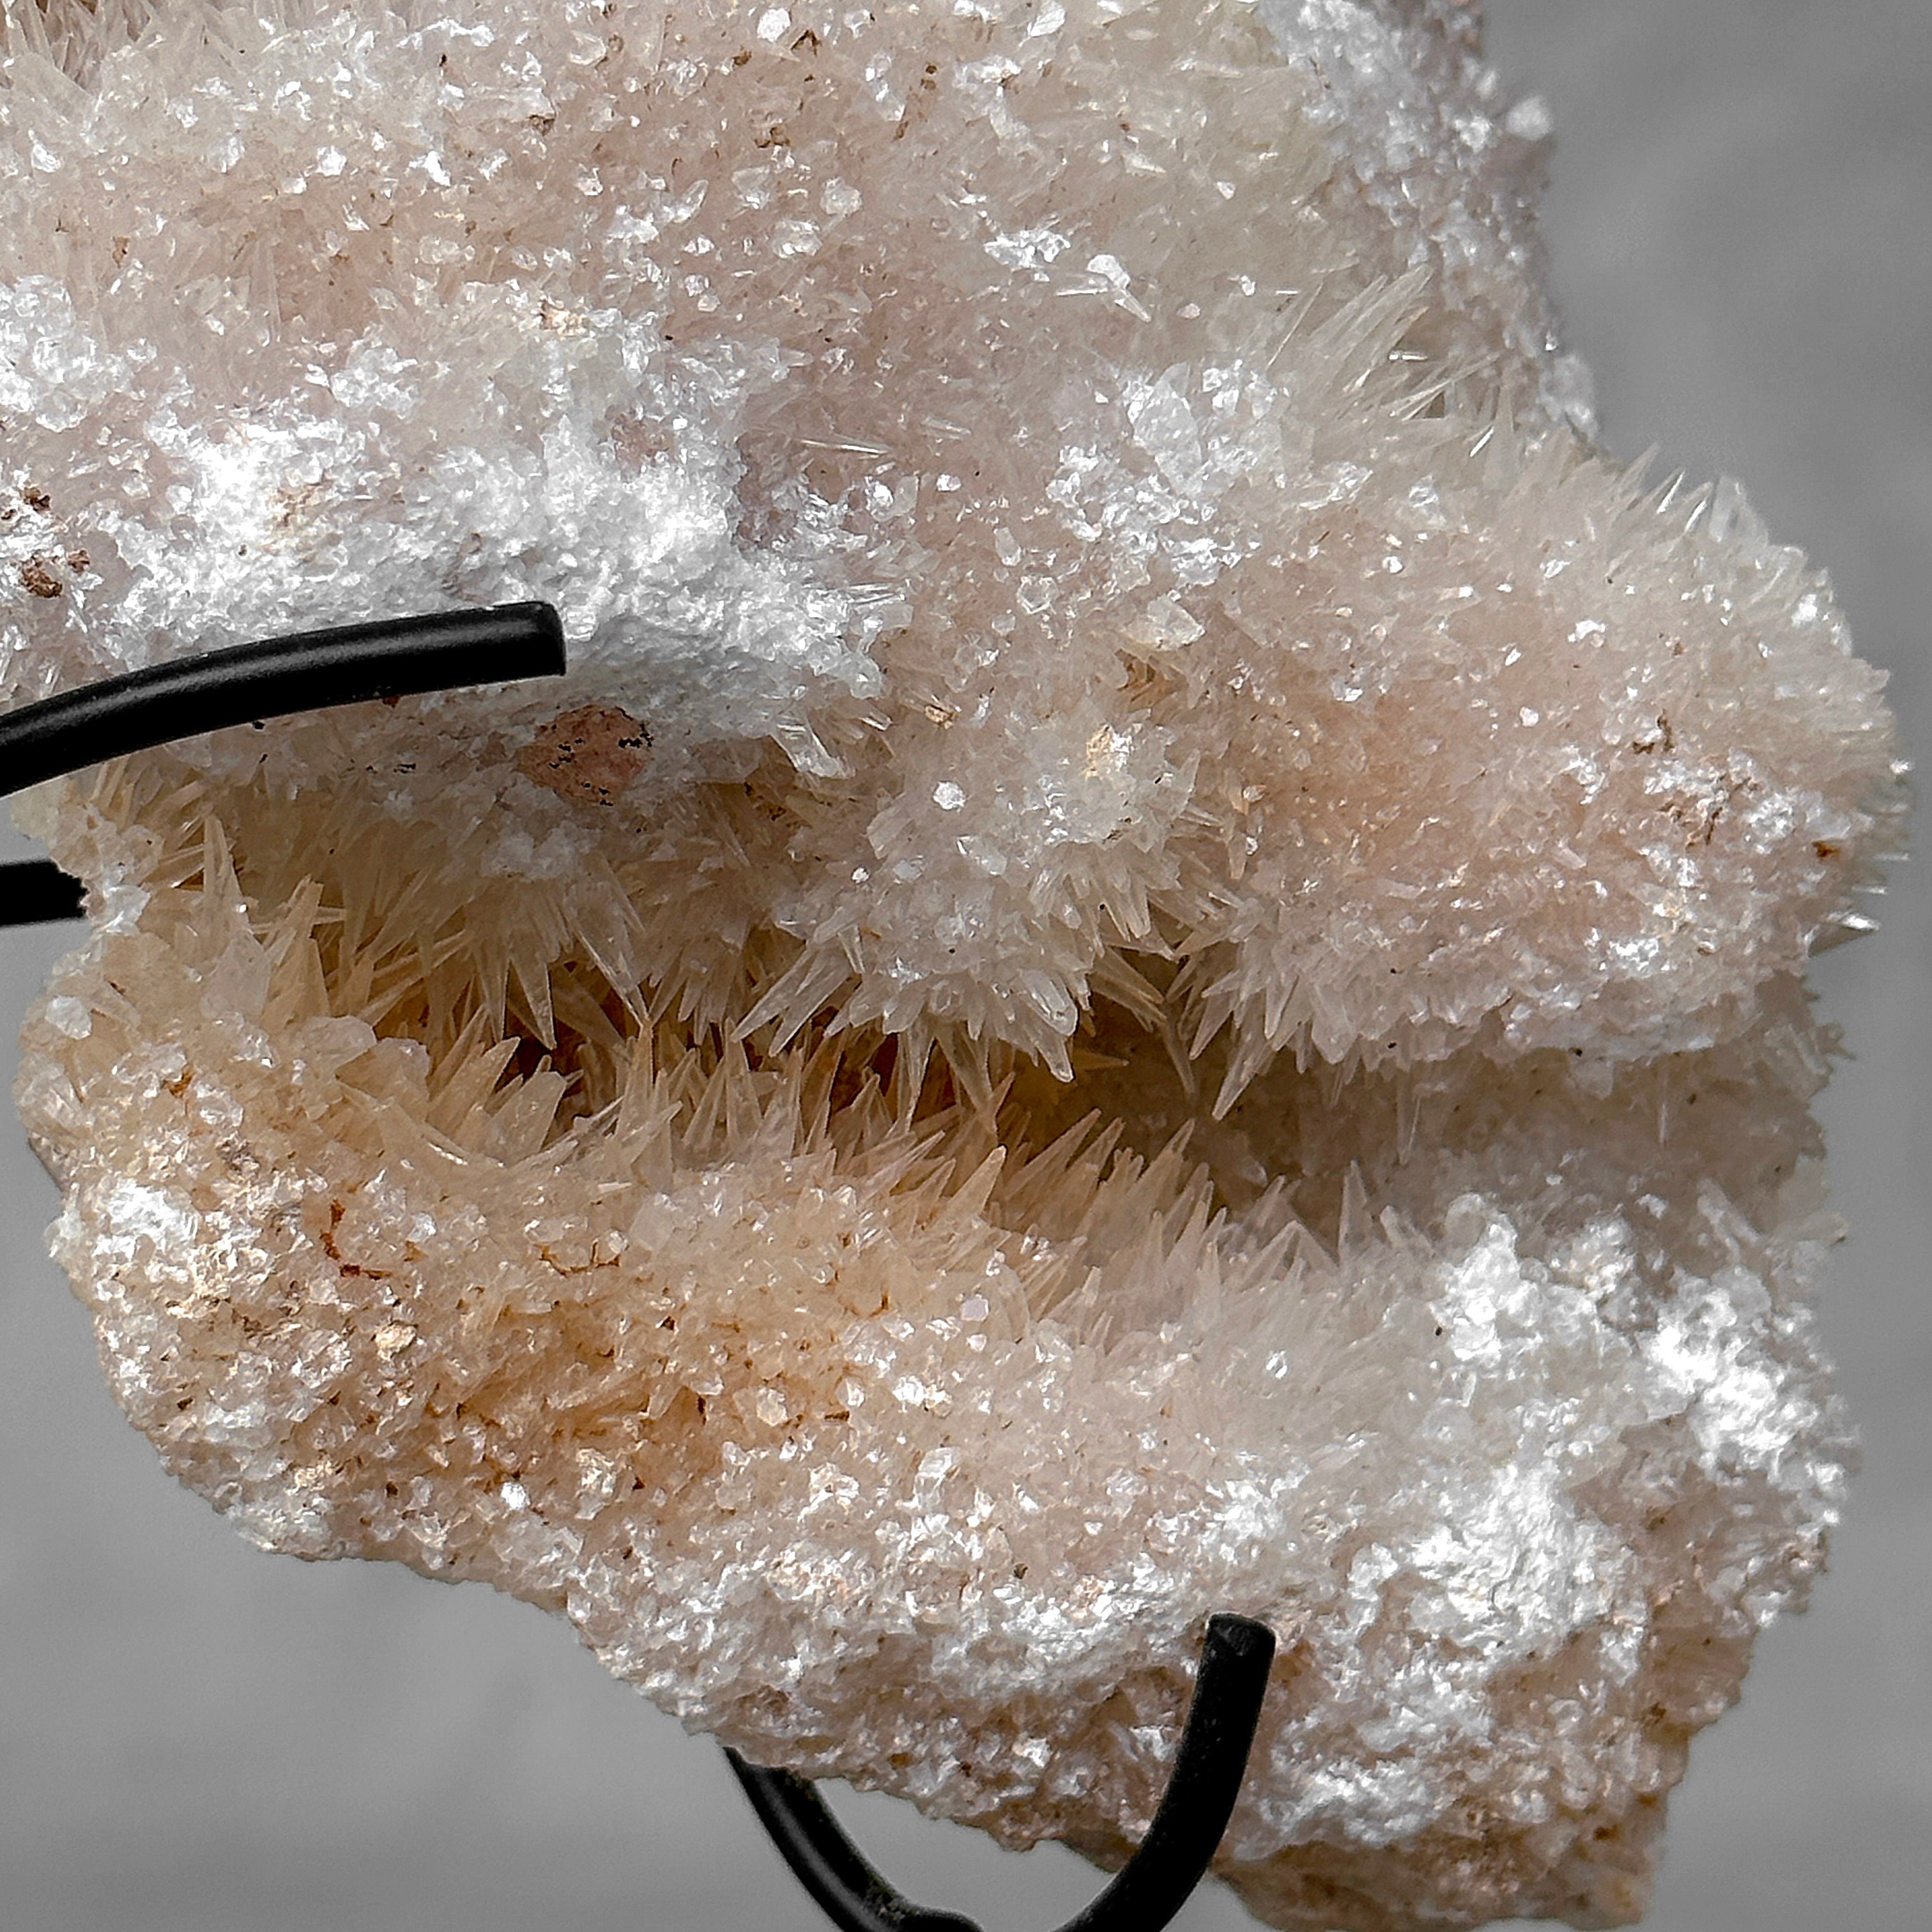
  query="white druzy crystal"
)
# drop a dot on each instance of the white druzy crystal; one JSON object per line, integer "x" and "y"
{"x": 1149, "y": 964}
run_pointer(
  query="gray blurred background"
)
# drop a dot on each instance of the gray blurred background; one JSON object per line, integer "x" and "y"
{"x": 197, "y": 1738}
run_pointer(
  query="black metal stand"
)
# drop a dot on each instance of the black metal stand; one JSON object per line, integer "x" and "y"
{"x": 350, "y": 664}
{"x": 36, "y": 891}
{"x": 1144, "y": 1895}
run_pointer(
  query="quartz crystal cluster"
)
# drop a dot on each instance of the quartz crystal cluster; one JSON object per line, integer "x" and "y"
{"x": 1150, "y": 963}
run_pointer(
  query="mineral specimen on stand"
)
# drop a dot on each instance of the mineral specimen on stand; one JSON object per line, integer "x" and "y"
{"x": 1150, "y": 964}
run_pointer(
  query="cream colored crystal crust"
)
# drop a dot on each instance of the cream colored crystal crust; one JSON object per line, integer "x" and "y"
{"x": 1149, "y": 964}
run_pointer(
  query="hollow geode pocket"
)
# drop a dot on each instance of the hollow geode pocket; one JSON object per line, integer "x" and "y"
{"x": 1150, "y": 964}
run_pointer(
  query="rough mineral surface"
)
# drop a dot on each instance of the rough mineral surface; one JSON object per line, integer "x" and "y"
{"x": 1150, "y": 963}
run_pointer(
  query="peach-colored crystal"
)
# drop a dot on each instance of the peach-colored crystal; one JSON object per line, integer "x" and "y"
{"x": 1149, "y": 964}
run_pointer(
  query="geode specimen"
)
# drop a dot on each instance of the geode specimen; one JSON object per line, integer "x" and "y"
{"x": 1149, "y": 964}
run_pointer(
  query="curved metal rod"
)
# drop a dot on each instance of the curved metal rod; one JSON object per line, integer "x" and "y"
{"x": 1144, "y": 1895}
{"x": 349, "y": 664}
{"x": 346, "y": 664}
{"x": 36, "y": 891}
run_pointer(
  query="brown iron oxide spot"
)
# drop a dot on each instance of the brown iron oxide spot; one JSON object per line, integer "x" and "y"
{"x": 37, "y": 576}
{"x": 590, "y": 754}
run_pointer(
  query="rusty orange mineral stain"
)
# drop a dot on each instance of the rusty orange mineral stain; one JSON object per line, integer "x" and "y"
{"x": 590, "y": 754}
